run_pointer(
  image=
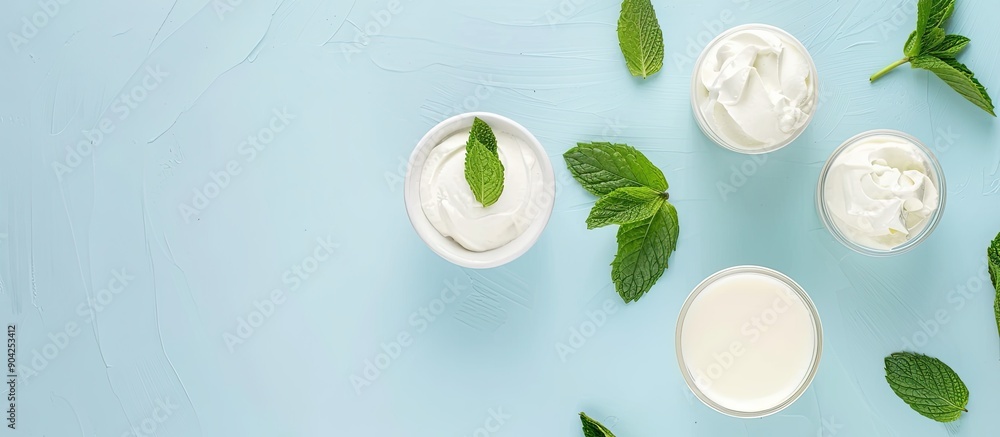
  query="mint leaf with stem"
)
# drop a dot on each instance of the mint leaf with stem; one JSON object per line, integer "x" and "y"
{"x": 633, "y": 194}
{"x": 930, "y": 48}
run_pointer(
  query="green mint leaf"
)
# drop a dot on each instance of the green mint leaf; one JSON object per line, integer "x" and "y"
{"x": 593, "y": 428}
{"x": 484, "y": 172}
{"x": 927, "y": 385}
{"x": 604, "y": 167}
{"x": 640, "y": 37}
{"x": 625, "y": 205}
{"x": 911, "y": 49}
{"x": 949, "y": 47}
{"x": 993, "y": 259}
{"x": 915, "y": 43}
{"x": 932, "y": 38}
{"x": 643, "y": 250}
{"x": 939, "y": 12}
{"x": 484, "y": 134}
{"x": 958, "y": 77}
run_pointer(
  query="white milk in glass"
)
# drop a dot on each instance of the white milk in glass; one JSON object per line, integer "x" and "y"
{"x": 748, "y": 341}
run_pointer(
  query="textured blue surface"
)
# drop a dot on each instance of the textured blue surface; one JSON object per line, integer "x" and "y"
{"x": 335, "y": 95}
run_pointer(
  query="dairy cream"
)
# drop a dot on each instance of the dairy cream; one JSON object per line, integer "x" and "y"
{"x": 881, "y": 191}
{"x": 755, "y": 88}
{"x": 448, "y": 202}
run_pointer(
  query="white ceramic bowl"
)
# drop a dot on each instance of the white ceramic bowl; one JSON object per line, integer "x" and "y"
{"x": 446, "y": 247}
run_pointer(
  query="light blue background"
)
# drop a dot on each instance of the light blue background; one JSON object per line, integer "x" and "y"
{"x": 362, "y": 93}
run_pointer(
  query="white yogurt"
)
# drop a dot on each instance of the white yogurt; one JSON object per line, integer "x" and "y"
{"x": 748, "y": 341}
{"x": 881, "y": 191}
{"x": 755, "y": 88}
{"x": 448, "y": 202}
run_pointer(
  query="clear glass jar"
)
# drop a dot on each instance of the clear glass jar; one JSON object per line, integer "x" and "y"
{"x": 936, "y": 174}
{"x": 782, "y": 395}
{"x": 699, "y": 93}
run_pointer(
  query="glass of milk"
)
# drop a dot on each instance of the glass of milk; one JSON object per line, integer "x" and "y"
{"x": 749, "y": 341}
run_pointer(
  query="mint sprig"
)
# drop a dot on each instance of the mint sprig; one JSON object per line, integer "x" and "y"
{"x": 593, "y": 428}
{"x": 930, "y": 48}
{"x": 640, "y": 38}
{"x": 632, "y": 194}
{"x": 483, "y": 170}
{"x": 927, "y": 385}
{"x": 993, "y": 259}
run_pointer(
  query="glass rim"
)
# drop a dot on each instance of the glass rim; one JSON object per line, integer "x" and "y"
{"x": 824, "y": 211}
{"x": 700, "y": 118}
{"x": 817, "y": 343}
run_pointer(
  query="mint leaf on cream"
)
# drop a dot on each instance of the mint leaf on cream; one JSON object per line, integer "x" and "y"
{"x": 484, "y": 172}
{"x": 927, "y": 385}
{"x": 632, "y": 194}
{"x": 640, "y": 38}
{"x": 484, "y": 134}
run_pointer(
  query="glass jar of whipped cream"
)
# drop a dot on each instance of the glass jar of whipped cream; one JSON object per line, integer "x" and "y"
{"x": 881, "y": 193}
{"x": 754, "y": 89}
